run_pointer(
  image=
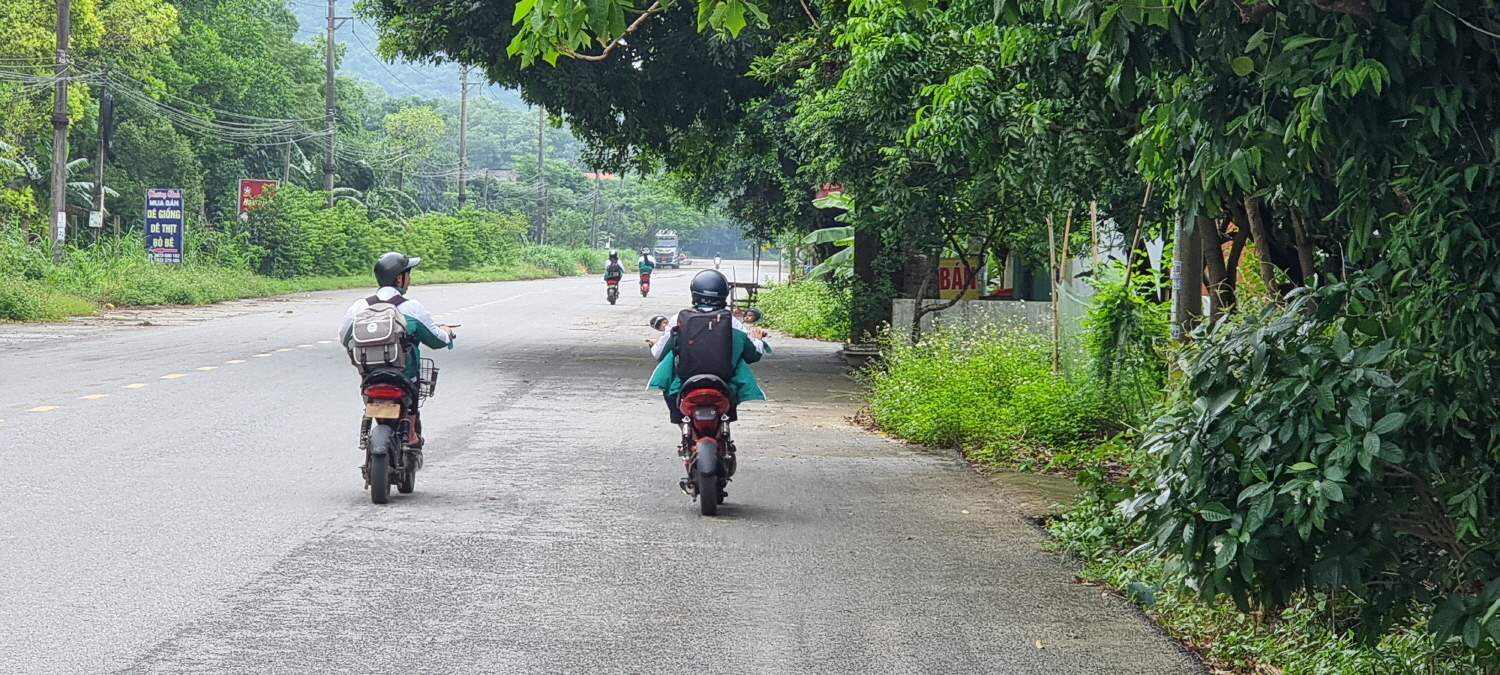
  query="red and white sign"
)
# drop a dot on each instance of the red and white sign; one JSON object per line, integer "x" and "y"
{"x": 250, "y": 189}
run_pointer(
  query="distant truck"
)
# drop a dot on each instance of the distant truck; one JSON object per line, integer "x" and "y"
{"x": 668, "y": 254}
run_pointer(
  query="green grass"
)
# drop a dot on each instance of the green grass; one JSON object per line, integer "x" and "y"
{"x": 76, "y": 292}
{"x": 991, "y": 393}
{"x": 1310, "y": 636}
{"x": 810, "y": 308}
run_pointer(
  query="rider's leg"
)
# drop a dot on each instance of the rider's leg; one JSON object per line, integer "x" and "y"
{"x": 414, "y": 430}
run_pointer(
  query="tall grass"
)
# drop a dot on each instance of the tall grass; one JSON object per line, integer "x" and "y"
{"x": 808, "y": 308}
{"x": 117, "y": 272}
{"x": 990, "y": 391}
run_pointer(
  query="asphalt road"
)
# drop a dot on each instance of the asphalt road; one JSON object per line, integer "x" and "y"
{"x": 184, "y": 497}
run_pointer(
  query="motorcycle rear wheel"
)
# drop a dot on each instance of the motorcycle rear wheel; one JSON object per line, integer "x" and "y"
{"x": 382, "y": 444}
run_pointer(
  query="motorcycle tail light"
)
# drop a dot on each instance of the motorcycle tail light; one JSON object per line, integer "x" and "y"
{"x": 384, "y": 391}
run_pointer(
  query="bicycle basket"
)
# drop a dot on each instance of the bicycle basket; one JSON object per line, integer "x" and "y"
{"x": 427, "y": 378}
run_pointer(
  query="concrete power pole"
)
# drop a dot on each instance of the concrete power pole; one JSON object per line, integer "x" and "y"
{"x": 106, "y": 113}
{"x": 60, "y": 133}
{"x": 594, "y": 220}
{"x": 463, "y": 131}
{"x": 541, "y": 176}
{"x": 330, "y": 101}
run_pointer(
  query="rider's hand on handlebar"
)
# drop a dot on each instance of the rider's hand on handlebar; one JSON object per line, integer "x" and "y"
{"x": 449, "y": 329}
{"x": 757, "y": 332}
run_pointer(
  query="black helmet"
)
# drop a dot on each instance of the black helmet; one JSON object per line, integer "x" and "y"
{"x": 645, "y": 251}
{"x": 391, "y": 266}
{"x": 657, "y": 322}
{"x": 710, "y": 289}
{"x": 613, "y": 254}
{"x": 752, "y": 315}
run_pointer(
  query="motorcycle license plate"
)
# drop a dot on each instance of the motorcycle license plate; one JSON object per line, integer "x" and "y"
{"x": 383, "y": 411}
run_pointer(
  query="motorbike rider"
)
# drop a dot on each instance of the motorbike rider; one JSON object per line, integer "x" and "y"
{"x": 612, "y": 268}
{"x": 393, "y": 276}
{"x": 647, "y": 263}
{"x": 717, "y": 260}
{"x": 710, "y": 292}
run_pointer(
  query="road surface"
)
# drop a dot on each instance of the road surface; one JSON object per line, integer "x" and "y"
{"x": 182, "y": 495}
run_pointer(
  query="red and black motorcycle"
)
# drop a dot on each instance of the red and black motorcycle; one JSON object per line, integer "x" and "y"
{"x": 612, "y": 289}
{"x": 707, "y": 451}
{"x": 645, "y": 283}
{"x": 390, "y": 400}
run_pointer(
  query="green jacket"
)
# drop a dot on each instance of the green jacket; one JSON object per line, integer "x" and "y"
{"x": 742, "y": 382}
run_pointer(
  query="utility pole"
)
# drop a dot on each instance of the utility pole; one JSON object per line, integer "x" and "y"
{"x": 594, "y": 220}
{"x": 463, "y": 130}
{"x": 60, "y": 133}
{"x": 486, "y": 188}
{"x": 286, "y": 160}
{"x": 106, "y": 117}
{"x": 541, "y": 176}
{"x": 329, "y": 101}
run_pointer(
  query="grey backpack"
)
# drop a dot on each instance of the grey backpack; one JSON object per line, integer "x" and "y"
{"x": 379, "y": 335}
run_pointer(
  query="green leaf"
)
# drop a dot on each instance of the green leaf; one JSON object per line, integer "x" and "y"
{"x": 1471, "y": 633}
{"x": 1372, "y": 444}
{"x": 1228, "y": 548}
{"x": 1251, "y": 492}
{"x": 1389, "y": 423}
{"x": 1242, "y": 65}
{"x": 1303, "y": 466}
{"x": 1331, "y": 491}
{"x": 523, "y": 7}
{"x": 1444, "y": 621}
{"x": 1214, "y": 512}
{"x": 1298, "y": 41}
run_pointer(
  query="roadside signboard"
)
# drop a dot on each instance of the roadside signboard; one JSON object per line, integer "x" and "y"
{"x": 955, "y": 281}
{"x": 164, "y": 224}
{"x": 250, "y": 188}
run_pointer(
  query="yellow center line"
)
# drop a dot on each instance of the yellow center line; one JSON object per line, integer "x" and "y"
{"x": 261, "y": 356}
{"x": 284, "y": 349}
{"x": 93, "y": 396}
{"x": 43, "y": 408}
{"x": 171, "y": 376}
{"x": 137, "y": 385}
{"x": 207, "y": 367}
{"x": 235, "y": 361}
{"x": 324, "y": 342}
{"x": 304, "y": 346}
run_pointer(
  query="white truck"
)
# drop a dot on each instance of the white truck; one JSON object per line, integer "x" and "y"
{"x": 667, "y": 252}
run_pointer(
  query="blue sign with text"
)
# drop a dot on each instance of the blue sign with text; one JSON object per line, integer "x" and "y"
{"x": 164, "y": 224}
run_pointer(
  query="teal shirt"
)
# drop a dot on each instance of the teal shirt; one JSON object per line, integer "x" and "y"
{"x": 742, "y": 382}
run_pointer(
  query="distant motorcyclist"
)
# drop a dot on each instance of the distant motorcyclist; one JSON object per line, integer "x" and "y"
{"x": 710, "y": 293}
{"x": 647, "y": 263}
{"x": 613, "y": 270}
{"x": 717, "y": 260}
{"x": 393, "y": 276}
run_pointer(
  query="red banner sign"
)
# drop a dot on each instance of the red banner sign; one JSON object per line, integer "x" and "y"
{"x": 250, "y": 189}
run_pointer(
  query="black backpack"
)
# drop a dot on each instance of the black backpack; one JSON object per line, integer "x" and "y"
{"x": 705, "y": 344}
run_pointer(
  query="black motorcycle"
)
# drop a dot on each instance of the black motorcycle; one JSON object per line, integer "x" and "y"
{"x": 390, "y": 399}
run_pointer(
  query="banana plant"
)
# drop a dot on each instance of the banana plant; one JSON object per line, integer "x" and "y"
{"x": 840, "y": 264}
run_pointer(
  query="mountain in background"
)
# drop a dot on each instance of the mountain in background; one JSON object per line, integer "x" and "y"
{"x": 397, "y": 79}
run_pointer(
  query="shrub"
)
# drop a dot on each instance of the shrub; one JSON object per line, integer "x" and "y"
{"x": 992, "y": 390}
{"x": 809, "y": 308}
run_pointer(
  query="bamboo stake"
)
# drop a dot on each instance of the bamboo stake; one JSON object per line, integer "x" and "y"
{"x": 1052, "y": 258}
{"x": 1094, "y": 230}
